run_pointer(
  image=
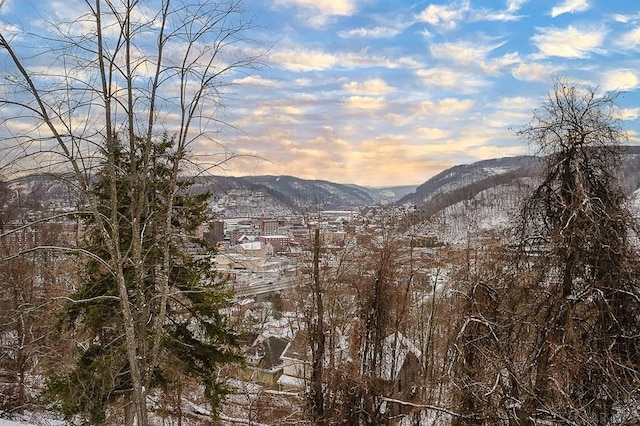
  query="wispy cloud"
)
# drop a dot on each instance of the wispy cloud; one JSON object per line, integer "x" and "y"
{"x": 256, "y": 80}
{"x": 629, "y": 40}
{"x": 446, "y": 106}
{"x": 301, "y": 59}
{"x": 365, "y": 102}
{"x": 621, "y": 79}
{"x": 504, "y": 15}
{"x": 318, "y": 13}
{"x": 534, "y": 71}
{"x": 447, "y": 78}
{"x": 373, "y": 32}
{"x": 329, "y": 7}
{"x": 570, "y": 6}
{"x": 432, "y": 133}
{"x": 372, "y": 86}
{"x": 445, "y": 16}
{"x": 628, "y": 114}
{"x": 464, "y": 52}
{"x": 515, "y": 5}
{"x": 571, "y": 42}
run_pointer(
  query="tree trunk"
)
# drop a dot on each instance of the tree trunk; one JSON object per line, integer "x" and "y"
{"x": 317, "y": 338}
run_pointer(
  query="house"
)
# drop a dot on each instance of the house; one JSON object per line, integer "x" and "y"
{"x": 401, "y": 368}
{"x": 400, "y": 363}
{"x": 265, "y": 361}
{"x": 296, "y": 363}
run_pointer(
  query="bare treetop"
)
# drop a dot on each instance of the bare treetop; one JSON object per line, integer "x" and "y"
{"x": 137, "y": 68}
{"x": 574, "y": 116}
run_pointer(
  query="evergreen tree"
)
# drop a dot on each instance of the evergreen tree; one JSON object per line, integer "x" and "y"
{"x": 121, "y": 74}
{"x": 195, "y": 338}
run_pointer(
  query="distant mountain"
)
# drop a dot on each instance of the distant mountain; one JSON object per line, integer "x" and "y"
{"x": 464, "y": 183}
{"x": 491, "y": 172}
{"x": 390, "y": 194}
{"x": 493, "y": 181}
{"x": 280, "y": 195}
{"x": 236, "y": 196}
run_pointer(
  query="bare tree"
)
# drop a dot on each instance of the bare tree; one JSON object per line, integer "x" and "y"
{"x": 586, "y": 363}
{"x": 33, "y": 284}
{"x": 549, "y": 314}
{"x": 119, "y": 76}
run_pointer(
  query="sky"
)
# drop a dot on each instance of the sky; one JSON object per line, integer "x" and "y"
{"x": 379, "y": 92}
{"x": 385, "y": 93}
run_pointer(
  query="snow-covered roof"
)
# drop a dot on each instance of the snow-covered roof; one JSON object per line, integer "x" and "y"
{"x": 286, "y": 380}
{"x": 254, "y": 245}
{"x": 403, "y": 347}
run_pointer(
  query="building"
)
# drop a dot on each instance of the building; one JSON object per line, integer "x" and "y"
{"x": 265, "y": 360}
{"x": 280, "y": 243}
{"x": 269, "y": 227}
{"x": 216, "y": 231}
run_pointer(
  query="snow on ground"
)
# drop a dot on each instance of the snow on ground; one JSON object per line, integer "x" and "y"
{"x": 31, "y": 420}
{"x": 4, "y": 422}
{"x": 12, "y": 423}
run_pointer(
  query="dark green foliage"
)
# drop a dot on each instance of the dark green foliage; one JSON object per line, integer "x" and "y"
{"x": 98, "y": 379}
{"x": 194, "y": 337}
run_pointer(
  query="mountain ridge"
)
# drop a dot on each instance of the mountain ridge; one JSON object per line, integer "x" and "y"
{"x": 273, "y": 195}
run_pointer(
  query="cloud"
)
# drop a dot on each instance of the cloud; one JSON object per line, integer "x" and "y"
{"x": 571, "y": 42}
{"x": 373, "y": 86}
{"x": 447, "y": 78}
{"x": 506, "y": 15}
{"x": 508, "y": 118}
{"x": 622, "y": 79}
{"x": 474, "y": 54}
{"x": 299, "y": 58}
{"x": 620, "y": 18}
{"x": 374, "y": 32}
{"x": 462, "y": 52}
{"x": 445, "y": 16}
{"x": 487, "y": 15}
{"x": 446, "y": 106}
{"x": 534, "y": 72}
{"x": 516, "y": 103}
{"x": 432, "y": 133}
{"x": 406, "y": 160}
{"x": 515, "y": 5}
{"x": 627, "y": 114}
{"x": 302, "y": 82}
{"x": 329, "y": 7}
{"x": 570, "y": 6}
{"x": 303, "y": 60}
{"x": 365, "y": 102}
{"x": 495, "y": 66}
{"x": 629, "y": 40}
{"x": 318, "y": 13}
{"x": 255, "y": 80}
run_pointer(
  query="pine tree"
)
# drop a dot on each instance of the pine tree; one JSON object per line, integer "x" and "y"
{"x": 195, "y": 337}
